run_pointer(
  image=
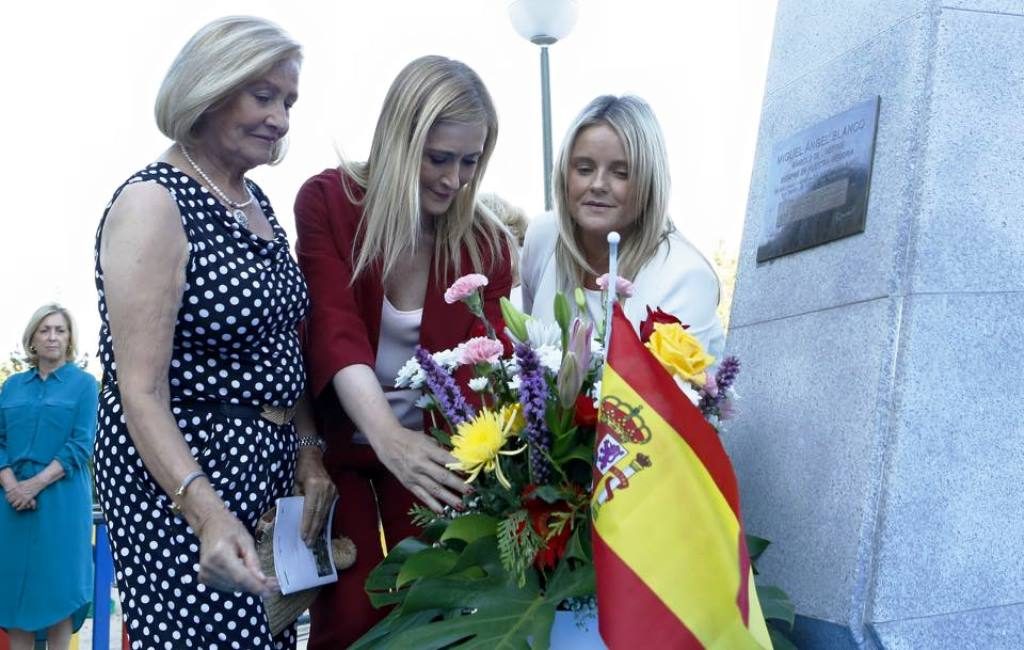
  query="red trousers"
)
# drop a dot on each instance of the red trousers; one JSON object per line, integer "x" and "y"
{"x": 342, "y": 612}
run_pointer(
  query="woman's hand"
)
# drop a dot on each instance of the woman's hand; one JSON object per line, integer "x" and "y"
{"x": 415, "y": 458}
{"x": 22, "y": 495}
{"x": 313, "y": 482}
{"x": 419, "y": 463}
{"x": 227, "y": 556}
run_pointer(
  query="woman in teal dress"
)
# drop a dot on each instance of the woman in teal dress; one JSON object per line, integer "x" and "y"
{"x": 47, "y": 426}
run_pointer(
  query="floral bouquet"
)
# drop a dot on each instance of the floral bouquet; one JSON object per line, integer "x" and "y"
{"x": 495, "y": 572}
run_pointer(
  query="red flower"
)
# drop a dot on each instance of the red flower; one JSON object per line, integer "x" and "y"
{"x": 541, "y": 514}
{"x": 584, "y": 415}
{"x": 656, "y": 316}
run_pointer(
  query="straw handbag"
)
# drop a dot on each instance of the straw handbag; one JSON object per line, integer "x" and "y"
{"x": 283, "y": 610}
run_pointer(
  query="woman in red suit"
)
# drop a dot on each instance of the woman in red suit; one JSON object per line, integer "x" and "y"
{"x": 379, "y": 242}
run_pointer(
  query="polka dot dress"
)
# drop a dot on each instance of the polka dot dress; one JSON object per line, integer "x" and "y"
{"x": 235, "y": 341}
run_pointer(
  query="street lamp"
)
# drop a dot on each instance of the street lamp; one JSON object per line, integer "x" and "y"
{"x": 544, "y": 22}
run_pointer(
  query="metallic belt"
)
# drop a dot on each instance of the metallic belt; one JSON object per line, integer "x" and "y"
{"x": 278, "y": 415}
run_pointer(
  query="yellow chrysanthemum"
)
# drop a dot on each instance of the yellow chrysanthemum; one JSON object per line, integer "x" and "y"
{"x": 512, "y": 418}
{"x": 477, "y": 443}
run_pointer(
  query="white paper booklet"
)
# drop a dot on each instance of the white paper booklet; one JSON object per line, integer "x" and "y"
{"x": 298, "y": 566}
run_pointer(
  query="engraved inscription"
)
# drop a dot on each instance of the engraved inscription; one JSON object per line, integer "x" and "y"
{"x": 818, "y": 183}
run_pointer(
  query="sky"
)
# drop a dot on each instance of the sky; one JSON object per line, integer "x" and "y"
{"x": 81, "y": 78}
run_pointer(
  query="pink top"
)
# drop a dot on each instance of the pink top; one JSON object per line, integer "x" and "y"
{"x": 399, "y": 336}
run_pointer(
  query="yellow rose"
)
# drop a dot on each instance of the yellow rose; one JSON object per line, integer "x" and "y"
{"x": 679, "y": 352}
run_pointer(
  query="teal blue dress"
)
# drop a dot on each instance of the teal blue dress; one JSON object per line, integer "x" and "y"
{"x": 46, "y": 554}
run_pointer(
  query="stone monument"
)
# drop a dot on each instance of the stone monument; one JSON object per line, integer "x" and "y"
{"x": 880, "y": 438}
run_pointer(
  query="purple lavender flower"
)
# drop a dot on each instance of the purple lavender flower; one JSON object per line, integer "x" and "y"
{"x": 727, "y": 372}
{"x": 449, "y": 398}
{"x": 533, "y": 392}
{"x": 712, "y": 402}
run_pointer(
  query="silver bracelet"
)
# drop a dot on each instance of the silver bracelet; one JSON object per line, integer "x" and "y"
{"x": 312, "y": 440}
{"x": 180, "y": 492}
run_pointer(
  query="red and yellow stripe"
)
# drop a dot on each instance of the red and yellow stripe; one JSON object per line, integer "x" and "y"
{"x": 669, "y": 551}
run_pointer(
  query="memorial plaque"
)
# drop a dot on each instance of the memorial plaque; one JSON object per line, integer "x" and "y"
{"x": 818, "y": 183}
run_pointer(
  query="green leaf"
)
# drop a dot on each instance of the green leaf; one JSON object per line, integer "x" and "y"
{"x": 549, "y": 493}
{"x": 492, "y": 613}
{"x": 380, "y": 584}
{"x": 483, "y": 554}
{"x": 562, "y": 443}
{"x": 756, "y": 546}
{"x": 432, "y": 532}
{"x": 428, "y": 563}
{"x": 779, "y": 639}
{"x": 580, "y": 546}
{"x": 442, "y": 437}
{"x": 503, "y": 617}
{"x": 393, "y": 623}
{"x": 567, "y": 582}
{"x": 470, "y": 528}
{"x": 584, "y": 453}
{"x": 776, "y": 605}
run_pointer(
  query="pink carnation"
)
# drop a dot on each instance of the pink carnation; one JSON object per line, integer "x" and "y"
{"x": 480, "y": 349}
{"x": 623, "y": 287}
{"x": 464, "y": 287}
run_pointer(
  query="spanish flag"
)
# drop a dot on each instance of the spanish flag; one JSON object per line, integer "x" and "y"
{"x": 669, "y": 550}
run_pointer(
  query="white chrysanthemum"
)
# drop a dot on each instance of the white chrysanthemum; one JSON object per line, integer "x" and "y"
{"x": 515, "y": 382}
{"x": 688, "y": 389}
{"x": 478, "y": 384}
{"x": 410, "y": 375}
{"x": 448, "y": 359}
{"x": 424, "y": 401}
{"x": 543, "y": 334}
{"x": 550, "y": 357}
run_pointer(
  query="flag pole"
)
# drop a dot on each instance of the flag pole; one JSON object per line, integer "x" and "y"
{"x": 613, "y": 283}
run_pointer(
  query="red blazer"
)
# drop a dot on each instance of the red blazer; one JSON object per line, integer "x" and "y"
{"x": 344, "y": 323}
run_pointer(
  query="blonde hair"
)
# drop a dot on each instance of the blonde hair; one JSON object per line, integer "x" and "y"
{"x": 217, "y": 62}
{"x": 512, "y": 216}
{"x": 41, "y": 314}
{"x": 647, "y": 159}
{"x": 428, "y": 91}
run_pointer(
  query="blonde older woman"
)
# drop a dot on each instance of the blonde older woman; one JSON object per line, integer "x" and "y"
{"x": 200, "y": 302}
{"x": 612, "y": 174}
{"x": 379, "y": 242}
{"x": 47, "y": 425}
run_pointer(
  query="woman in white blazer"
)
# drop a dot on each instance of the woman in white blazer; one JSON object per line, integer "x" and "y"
{"x": 612, "y": 174}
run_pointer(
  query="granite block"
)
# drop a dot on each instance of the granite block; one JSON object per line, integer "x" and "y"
{"x": 818, "y": 32}
{"x": 994, "y": 628}
{"x": 970, "y": 234}
{"x": 872, "y": 264}
{"x": 1014, "y": 7}
{"x": 950, "y": 526}
{"x": 803, "y": 446}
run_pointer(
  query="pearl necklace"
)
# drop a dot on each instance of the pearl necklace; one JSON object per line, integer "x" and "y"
{"x": 238, "y": 212}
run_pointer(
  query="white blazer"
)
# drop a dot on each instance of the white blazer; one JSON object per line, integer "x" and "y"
{"x": 678, "y": 279}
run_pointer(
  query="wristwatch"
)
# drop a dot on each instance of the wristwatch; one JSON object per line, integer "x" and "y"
{"x": 312, "y": 440}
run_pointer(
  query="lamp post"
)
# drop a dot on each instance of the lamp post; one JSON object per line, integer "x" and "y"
{"x": 544, "y": 22}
